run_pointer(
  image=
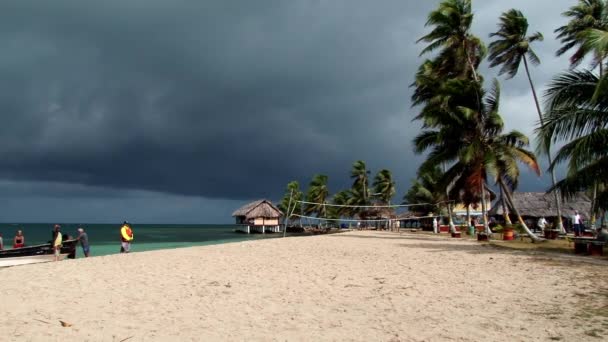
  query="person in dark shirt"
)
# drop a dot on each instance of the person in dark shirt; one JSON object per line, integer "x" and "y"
{"x": 72, "y": 248}
{"x": 84, "y": 241}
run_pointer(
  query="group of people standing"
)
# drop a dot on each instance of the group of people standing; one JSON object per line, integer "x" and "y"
{"x": 57, "y": 241}
{"x": 126, "y": 238}
{"x": 577, "y": 224}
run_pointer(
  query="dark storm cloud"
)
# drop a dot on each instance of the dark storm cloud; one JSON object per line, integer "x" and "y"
{"x": 218, "y": 99}
{"x": 213, "y": 98}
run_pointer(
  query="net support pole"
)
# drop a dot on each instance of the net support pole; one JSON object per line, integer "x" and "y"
{"x": 287, "y": 214}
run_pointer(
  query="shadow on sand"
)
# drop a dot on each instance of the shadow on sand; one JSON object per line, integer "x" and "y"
{"x": 438, "y": 244}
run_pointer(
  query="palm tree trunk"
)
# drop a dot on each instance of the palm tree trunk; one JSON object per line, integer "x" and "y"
{"x": 505, "y": 208}
{"x": 558, "y": 205}
{"x": 521, "y": 221}
{"x": 447, "y": 196}
{"x": 594, "y": 198}
{"x": 484, "y": 209}
{"x": 450, "y": 221}
{"x": 468, "y": 217}
{"x": 469, "y": 61}
{"x": 593, "y": 205}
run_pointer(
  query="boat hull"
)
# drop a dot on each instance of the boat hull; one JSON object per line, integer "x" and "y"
{"x": 35, "y": 254}
{"x": 29, "y": 259}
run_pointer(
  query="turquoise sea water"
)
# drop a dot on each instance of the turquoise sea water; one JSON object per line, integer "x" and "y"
{"x": 105, "y": 239}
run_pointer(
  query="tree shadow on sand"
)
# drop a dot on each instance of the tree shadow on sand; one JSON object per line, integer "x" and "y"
{"x": 394, "y": 237}
{"x": 435, "y": 244}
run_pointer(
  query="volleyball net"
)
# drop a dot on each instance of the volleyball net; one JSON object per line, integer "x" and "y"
{"x": 385, "y": 216}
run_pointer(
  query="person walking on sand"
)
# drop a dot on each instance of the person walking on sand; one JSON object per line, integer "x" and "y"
{"x": 57, "y": 241}
{"x": 126, "y": 236}
{"x": 19, "y": 240}
{"x": 1, "y": 242}
{"x": 435, "y": 225}
{"x": 84, "y": 241}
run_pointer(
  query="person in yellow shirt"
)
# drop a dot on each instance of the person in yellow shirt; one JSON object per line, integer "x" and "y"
{"x": 57, "y": 241}
{"x": 126, "y": 236}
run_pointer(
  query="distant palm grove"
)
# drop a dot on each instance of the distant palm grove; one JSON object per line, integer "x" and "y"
{"x": 469, "y": 155}
{"x": 346, "y": 203}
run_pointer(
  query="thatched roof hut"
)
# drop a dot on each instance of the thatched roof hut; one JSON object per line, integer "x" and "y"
{"x": 258, "y": 209}
{"x": 376, "y": 213}
{"x": 537, "y": 204}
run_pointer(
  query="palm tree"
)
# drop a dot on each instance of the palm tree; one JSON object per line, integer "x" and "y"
{"x": 292, "y": 195}
{"x": 343, "y": 199}
{"x": 426, "y": 191}
{"x": 384, "y": 186}
{"x": 587, "y": 19}
{"x": 505, "y": 153}
{"x": 578, "y": 113}
{"x": 511, "y": 47}
{"x": 451, "y": 34}
{"x": 587, "y": 14}
{"x": 317, "y": 194}
{"x": 360, "y": 189}
{"x": 451, "y": 23}
{"x": 469, "y": 136}
{"x": 445, "y": 128}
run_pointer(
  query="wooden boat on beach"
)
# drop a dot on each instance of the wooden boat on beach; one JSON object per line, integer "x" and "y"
{"x": 34, "y": 254}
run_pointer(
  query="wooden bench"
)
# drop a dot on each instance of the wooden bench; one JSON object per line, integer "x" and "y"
{"x": 596, "y": 248}
{"x": 587, "y": 245}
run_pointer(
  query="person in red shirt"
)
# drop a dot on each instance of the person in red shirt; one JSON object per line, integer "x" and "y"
{"x": 19, "y": 240}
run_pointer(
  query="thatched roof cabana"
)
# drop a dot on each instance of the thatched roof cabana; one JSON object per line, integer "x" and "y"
{"x": 259, "y": 216}
{"x": 537, "y": 204}
{"x": 376, "y": 212}
{"x": 258, "y": 209}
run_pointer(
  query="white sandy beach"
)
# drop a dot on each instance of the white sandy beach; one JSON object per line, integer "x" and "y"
{"x": 360, "y": 286}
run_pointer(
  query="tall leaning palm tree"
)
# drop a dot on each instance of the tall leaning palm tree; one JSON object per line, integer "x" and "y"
{"x": 505, "y": 153}
{"x": 457, "y": 55}
{"x": 512, "y": 46}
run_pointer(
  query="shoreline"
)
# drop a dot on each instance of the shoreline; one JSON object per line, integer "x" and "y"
{"x": 362, "y": 285}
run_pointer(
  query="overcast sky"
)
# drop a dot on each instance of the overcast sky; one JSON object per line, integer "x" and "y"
{"x": 180, "y": 111}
